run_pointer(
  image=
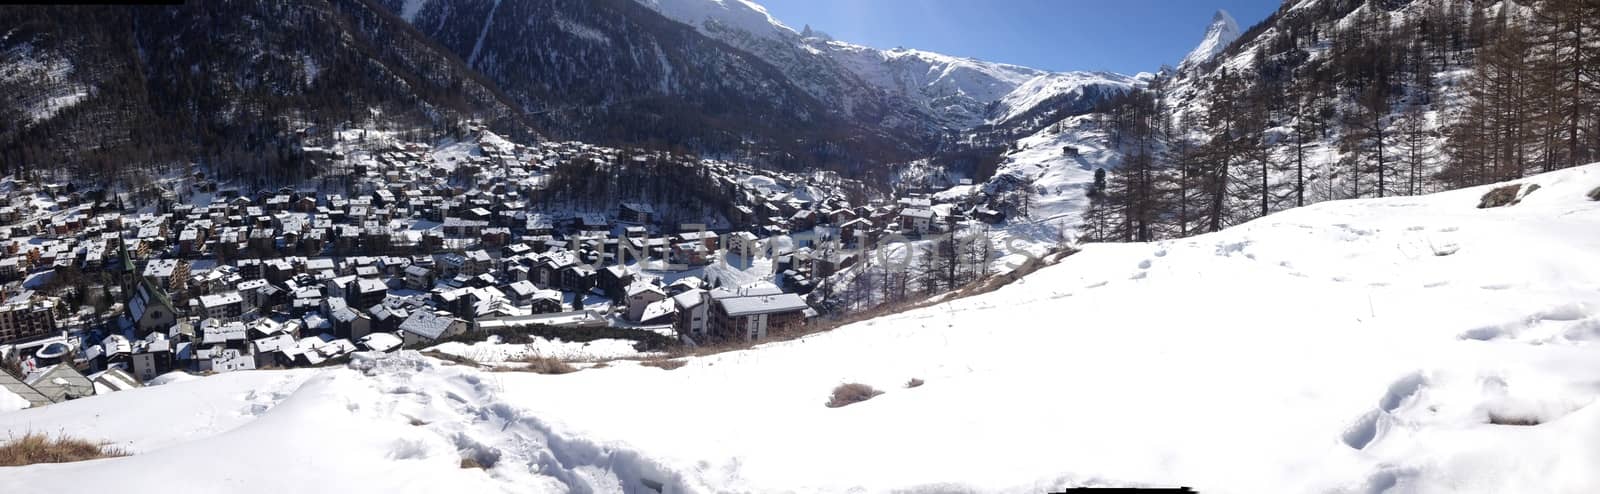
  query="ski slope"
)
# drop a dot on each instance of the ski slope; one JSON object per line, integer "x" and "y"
{"x": 1349, "y": 346}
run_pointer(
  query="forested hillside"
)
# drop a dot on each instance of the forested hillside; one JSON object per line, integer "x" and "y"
{"x": 100, "y": 90}
{"x": 1338, "y": 99}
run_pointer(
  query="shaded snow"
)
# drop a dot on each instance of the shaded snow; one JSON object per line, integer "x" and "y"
{"x": 411, "y": 8}
{"x": 54, "y": 104}
{"x": 312, "y": 69}
{"x": 487, "y": 22}
{"x": 580, "y": 30}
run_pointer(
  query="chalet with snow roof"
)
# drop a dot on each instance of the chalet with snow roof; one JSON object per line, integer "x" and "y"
{"x": 425, "y": 326}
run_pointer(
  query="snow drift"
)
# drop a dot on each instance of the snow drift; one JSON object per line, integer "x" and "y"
{"x": 1414, "y": 344}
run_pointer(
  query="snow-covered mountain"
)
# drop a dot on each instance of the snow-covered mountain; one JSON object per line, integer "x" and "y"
{"x": 1222, "y": 31}
{"x": 1076, "y": 91}
{"x": 613, "y": 71}
{"x": 958, "y": 92}
{"x": 1412, "y": 344}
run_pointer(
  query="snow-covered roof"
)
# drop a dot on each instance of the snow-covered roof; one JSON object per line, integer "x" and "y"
{"x": 160, "y": 268}
{"x": 368, "y": 285}
{"x": 60, "y": 382}
{"x": 689, "y": 298}
{"x": 113, "y": 380}
{"x": 427, "y": 324}
{"x": 381, "y": 342}
{"x": 523, "y": 288}
{"x": 756, "y": 289}
{"x": 764, "y": 304}
{"x": 215, "y": 332}
{"x": 642, "y": 287}
{"x": 274, "y": 343}
{"x": 658, "y": 309}
{"x": 16, "y": 395}
{"x": 220, "y": 299}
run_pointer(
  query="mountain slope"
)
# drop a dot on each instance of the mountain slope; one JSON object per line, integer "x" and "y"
{"x": 101, "y": 86}
{"x": 613, "y": 71}
{"x": 1350, "y": 346}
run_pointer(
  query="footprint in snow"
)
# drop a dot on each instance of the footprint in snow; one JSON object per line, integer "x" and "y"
{"x": 1485, "y": 333}
{"x": 1401, "y": 390}
{"x": 1371, "y": 425}
{"x": 1364, "y": 430}
{"x": 1145, "y": 264}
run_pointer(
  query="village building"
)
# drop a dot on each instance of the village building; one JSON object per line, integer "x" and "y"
{"x": 753, "y": 313}
{"x": 150, "y": 309}
{"x": 425, "y": 326}
{"x": 28, "y": 315}
{"x": 224, "y": 306}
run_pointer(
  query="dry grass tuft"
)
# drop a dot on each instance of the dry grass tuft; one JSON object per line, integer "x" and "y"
{"x": 34, "y": 448}
{"x": 470, "y": 463}
{"x": 455, "y": 359}
{"x": 1499, "y": 419}
{"x": 600, "y": 365}
{"x": 1504, "y": 195}
{"x": 664, "y": 364}
{"x": 914, "y": 382}
{"x": 849, "y": 393}
{"x": 544, "y": 365}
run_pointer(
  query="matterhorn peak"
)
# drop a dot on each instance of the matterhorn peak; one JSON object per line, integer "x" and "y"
{"x": 1222, "y": 31}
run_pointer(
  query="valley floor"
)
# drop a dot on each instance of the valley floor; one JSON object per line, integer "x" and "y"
{"x": 1394, "y": 345}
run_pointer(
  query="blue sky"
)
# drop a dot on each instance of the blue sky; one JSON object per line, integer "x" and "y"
{"x": 1127, "y": 36}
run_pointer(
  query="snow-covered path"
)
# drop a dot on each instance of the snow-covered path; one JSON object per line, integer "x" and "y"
{"x": 1357, "y": 346}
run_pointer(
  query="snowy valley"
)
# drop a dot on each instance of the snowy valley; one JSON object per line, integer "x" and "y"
{"x": 680, "y": 246}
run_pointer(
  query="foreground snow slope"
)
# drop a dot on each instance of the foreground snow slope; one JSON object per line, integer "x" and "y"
{"x": 1350, "y": 346}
